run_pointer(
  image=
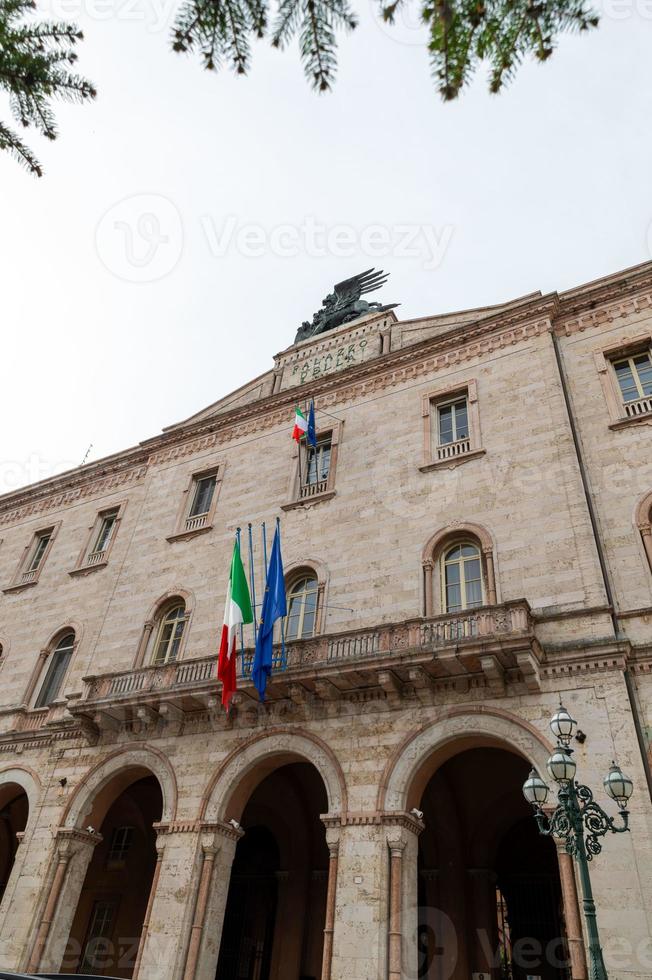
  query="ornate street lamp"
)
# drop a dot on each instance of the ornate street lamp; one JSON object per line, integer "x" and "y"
{"x": 578, "y": 820}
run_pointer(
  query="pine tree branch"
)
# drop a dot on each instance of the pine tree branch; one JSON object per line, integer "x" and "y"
{"x": 9, "y": 141}
{"x": 34, "y": 71}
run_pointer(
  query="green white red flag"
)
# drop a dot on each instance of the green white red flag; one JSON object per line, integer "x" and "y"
{"x": 237, "y": 611}
{"x": 300, "y": 425}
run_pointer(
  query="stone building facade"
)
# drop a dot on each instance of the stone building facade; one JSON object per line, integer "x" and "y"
{"x": 470, "y": 542}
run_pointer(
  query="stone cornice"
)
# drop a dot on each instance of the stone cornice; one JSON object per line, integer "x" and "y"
{"x": 457, "y": 345}
{"x": 573, "y": 311}
{"x": 92, "y": 481}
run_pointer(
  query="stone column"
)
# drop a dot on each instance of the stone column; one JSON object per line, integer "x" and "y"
{"x": 395, "y": 934}
{"x": 165, "y": 946}
{"x": 491, "y": 575}
{"x": 333, "y": 843}
{"x": 428, "y": 567}
{"x": 73, "y": 855}
{"x": 572, "y": 917}
{"x": 209, "y": 850}
{"x": 646, "y": 534}
{"x": 34, "y": 677}
{"x": 161, "y": 830}
{"x": 403, "y": 831}
{"x": 224, "y": 838}
{"x": 143, "y": 644}
{"x": 360, "y": 927}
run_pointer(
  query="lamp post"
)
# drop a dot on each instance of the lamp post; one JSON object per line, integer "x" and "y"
{"x": 578, "y": 820}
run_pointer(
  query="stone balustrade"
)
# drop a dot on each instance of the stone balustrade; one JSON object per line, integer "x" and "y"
{"x": 495, "y": 640}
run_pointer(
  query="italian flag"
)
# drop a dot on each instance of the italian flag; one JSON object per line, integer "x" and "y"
{"x": 300, "y": 424}
{"x": 236, "y": 611}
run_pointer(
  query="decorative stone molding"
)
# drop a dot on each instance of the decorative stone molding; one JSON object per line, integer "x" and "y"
{"x": 78, "y": 486}
{"x": 432, "y": 553}
{"x": 487, "y": 725}
{"x": 238, "y": 771}
{"x": 134, "y": 757}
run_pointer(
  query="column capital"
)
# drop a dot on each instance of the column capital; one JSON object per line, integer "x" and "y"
{"x": 219, "y": 832}
{"x": 645, "y": 529}
{"x": 70, "y": 840}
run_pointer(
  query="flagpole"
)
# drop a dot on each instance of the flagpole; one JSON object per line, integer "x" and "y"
{"x": 252, "y": 576}
{"x": 242, "y": 663}
{"x": 299, "y": 452}
{"x": 284, "y": 662}
{"x": 265, "y": 550}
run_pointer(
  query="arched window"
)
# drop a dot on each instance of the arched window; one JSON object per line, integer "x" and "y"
{"x": 462, "y": 586}
{"x": 302, "y": 608}
{"x": 170, "y": 632}
{"x": 57, "y": 665}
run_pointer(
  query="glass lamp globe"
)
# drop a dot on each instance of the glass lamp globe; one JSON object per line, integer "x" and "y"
{"x": 618, "y": 786}
{"x": 562, "y": 725}
{"x": 535, "y": 790}
{"x": 561, "y": 765}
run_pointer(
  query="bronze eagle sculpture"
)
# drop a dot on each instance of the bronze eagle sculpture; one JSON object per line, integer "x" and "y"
{"x": 345, "y": 304}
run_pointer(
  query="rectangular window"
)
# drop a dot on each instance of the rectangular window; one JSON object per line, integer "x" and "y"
{"x": 56, "y": 672}
{"x": 104, "y": 534}
{"x": 203, "y": 496}
{"x": 196, "y": 509}
{"x": 317, "y": 465}
{"x": 99, "y": 932}
{"x": 39, "y": 548}
{"x": 634, "y": 375}
{"x": 120, "y": 844}
{"x": 453, "y": 422}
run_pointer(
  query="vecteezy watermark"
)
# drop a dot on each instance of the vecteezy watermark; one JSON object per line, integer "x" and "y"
{"x": 140, "y": 239}
{"x": 156, "y": 15}
{"x": 316, "y": 239}
{"x": 15, "y": 473}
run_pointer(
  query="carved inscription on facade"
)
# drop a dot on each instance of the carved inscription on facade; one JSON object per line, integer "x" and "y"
{"x": 334, "y": 353}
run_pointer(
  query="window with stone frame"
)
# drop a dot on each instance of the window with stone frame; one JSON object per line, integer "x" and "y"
{"x": 198, "y": 505}
{"x": 634, "y": 377}
{"x": 100, "y": 929}
{"x": 34, "y": 558}
{"x": 451, "y": 426}
{"x": 461, "y": 577}
{"x": 314, "y": 468}
{"x": 99, "y": 540}
{"x": 625, "y": 371}
{"x": 56, "y": 668}
{"x": 121, "y": 841}
{"x": 303, "y": 606}
{"x": 170, "y": 634}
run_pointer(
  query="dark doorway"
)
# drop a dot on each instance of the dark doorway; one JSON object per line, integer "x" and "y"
{"x": 274, "y": 919}
{"x": 13, "y": 820}
{"x": 489, "y": 890}
{"x": 109, "y": 919}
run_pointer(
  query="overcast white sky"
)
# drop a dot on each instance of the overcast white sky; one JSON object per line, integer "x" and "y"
{"x": 236, "y": 203}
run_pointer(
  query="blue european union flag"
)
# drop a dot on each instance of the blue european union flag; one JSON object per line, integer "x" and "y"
{"x": 274, "y": 607}
{"x": 311, "y": 434}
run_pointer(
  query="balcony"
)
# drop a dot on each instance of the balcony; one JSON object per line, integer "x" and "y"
{"x": 492, "y": 646}
{"x": 642, "y": 406}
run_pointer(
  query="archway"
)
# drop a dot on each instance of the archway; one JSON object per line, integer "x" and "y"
{"x": 107, "y": 925}
{"x": 275, "y": 911}
{"x": 14, "y": 811}
{"x": 489, "y": 890}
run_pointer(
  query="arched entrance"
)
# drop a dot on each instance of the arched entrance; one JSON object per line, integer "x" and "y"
{"x": 107, "y": 925}
{"x": 14, "y": 810}
{"x": 489, "y": 890}
{"x": 275, "y": 911}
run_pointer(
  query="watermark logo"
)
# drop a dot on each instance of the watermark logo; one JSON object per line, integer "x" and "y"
{"x": 140, "y": 239}
{"x": 317, "y": 240}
